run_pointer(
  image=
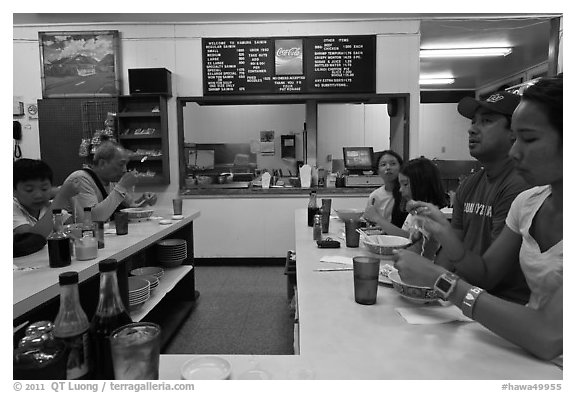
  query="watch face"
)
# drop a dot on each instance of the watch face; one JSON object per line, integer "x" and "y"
{"x": 443, "y": 285}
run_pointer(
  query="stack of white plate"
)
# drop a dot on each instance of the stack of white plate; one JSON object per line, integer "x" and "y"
{"x": 153, "y": 280}
{"x": 155, "y": 271}
{"x": 171, "y": 252}
{"x": 138, "y": 292}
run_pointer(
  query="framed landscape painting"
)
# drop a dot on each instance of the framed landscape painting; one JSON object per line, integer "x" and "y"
{"x": 79, "y": 64}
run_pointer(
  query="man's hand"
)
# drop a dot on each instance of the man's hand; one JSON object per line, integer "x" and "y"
{"x": 128, "y": 180}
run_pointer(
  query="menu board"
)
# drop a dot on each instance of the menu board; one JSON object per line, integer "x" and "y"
{"x": 291, "y": 65}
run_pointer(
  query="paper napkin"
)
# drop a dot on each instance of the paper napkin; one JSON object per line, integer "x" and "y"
{"x": 430, "y": 315}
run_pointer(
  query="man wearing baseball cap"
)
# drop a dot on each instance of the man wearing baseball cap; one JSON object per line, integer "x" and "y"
{"x": 483, "y": 199}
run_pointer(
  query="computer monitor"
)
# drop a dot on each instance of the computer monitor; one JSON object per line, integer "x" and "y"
{"x": 358, "y": 159}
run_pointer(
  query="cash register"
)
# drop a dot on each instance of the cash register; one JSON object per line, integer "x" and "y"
{"x": 358, "y": 163}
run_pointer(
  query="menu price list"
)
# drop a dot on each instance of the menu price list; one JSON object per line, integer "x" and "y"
{"x": 289, "y": 65}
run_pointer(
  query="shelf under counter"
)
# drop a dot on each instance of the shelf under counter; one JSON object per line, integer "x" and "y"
{"x": 168, "y": 281}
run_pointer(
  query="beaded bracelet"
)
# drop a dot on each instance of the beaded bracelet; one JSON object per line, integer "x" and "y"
{"x": 469, "y": 301}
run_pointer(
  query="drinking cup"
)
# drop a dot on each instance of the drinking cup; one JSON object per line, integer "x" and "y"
{"x": 325, "y": 210}
{"x": 352, "y": 235}
{"x": 135, "y": 351}
{"x": 100, "y": 233}
{"x": 121, "y": 220}
{"x": 366, "y": 271}
{"x": 177, "y": 205}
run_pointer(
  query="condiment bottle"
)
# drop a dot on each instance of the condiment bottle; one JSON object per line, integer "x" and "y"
{"x": 312, "y": 208}
{"x": 58, "y": 243}
{"x": 71, "y": 327}
{"x": 110, "y": 314}
{"x": 317, "y": 229}
{"x": 87, "y": 224}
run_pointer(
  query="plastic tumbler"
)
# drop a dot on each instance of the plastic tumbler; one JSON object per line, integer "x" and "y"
{"x": 325, "y": 210}
{"x": 352, "y": 235}
{"x": 135, "y": 351}
{"x": 177, "y": 205}
{"x": 121, "y": 220}
{"x": 366, "y": 271}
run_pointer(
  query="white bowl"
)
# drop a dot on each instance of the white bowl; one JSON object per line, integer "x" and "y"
{"x": 413, "y": 293}
{"x": 206, "y": 367}
{"x": 385, "y": 244}
{"x": 348, "y": 214}
{"x": 138, "y": 213}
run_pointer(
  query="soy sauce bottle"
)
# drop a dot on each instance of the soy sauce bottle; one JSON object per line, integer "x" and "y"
{"x": 71, "y": 328}
{"x": 110, "y": 314}
{"x": 313, "y": 208}
{"x": 58, "y": 243}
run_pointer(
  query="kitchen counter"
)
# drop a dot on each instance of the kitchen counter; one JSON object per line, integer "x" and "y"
{"x": 225, "y": 191}
{"x": 340, "y": 339}
{"x": 33, "y": 288}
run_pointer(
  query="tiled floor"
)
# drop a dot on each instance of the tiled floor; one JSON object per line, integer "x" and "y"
{"x": 241, "y": 310}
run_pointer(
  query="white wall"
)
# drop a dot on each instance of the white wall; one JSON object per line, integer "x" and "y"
{"x": 444, "y": 133}
{"x": 341, "y": 125}
{"x": 252, "y": 227}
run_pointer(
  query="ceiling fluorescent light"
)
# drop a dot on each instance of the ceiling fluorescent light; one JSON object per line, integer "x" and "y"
{"x": 465, "y": 52}
{"x": 437, "y": 81}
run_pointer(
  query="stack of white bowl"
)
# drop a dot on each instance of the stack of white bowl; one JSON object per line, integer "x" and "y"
{"x": 171, "y": 252}
{"x": 155, "y": 271}
{"x": 153, "y": 280}
{"x": 138, "y": 292}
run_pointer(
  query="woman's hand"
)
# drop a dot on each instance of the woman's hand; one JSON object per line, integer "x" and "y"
{"x": 416, "y": 270}
{"x": 371, "y": 214}
{"x": 429, "y": 218}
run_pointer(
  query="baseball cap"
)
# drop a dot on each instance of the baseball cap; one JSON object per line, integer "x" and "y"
{"x": 499, "y": 102}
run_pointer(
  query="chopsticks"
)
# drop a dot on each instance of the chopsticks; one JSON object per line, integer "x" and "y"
{"x": 334, "y": 269}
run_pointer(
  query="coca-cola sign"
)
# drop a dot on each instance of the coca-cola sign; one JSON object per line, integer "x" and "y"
{"x": 289, "y": 59}
{"x": 290, "y": 52}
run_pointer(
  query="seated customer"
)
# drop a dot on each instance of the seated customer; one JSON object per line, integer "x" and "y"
{"x": 109, "y": 165}
{"x": 383, "y": 206}
{"x": 32, "y": 208}
{"x": 533, "y": 235}
{"x": 420, "y": 180}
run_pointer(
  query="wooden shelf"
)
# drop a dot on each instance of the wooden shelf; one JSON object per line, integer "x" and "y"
{"x": 168, "y": 281}
{"x": 150, "y": 158}
{"x": 139, "y": 114}
{"x": 135, "y": 112}
{"x": 152, "y": 136}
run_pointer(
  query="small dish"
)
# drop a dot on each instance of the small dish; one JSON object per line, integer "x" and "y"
{"x": 178, "y": 217}
{"x": 205, "y": 368}
{"x": 164, "y": 222}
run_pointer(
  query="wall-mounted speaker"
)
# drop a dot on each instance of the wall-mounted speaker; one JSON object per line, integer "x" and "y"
{"x": 147, "y": 81}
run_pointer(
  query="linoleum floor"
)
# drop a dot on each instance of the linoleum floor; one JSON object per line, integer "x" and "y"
{"x": 241, "y": 310}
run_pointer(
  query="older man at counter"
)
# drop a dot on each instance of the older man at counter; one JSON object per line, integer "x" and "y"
{"x": 109, "y": 166}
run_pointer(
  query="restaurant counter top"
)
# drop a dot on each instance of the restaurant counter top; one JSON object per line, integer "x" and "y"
{"x": 32, "y": 288}
{"x": 338, "y": 338}
{"x": 211, "y": 191}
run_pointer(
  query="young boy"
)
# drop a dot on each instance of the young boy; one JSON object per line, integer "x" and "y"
{"x": 32, "y": 208}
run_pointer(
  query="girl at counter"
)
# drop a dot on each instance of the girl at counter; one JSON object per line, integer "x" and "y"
{"x": 533, "y": 236}
{"x": 383, "y": 205}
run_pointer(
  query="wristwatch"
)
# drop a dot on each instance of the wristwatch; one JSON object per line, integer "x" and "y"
{"x": 445, "y": 284}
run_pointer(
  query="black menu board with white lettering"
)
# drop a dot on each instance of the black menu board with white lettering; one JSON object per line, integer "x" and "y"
{"x": 292, "y": 65}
